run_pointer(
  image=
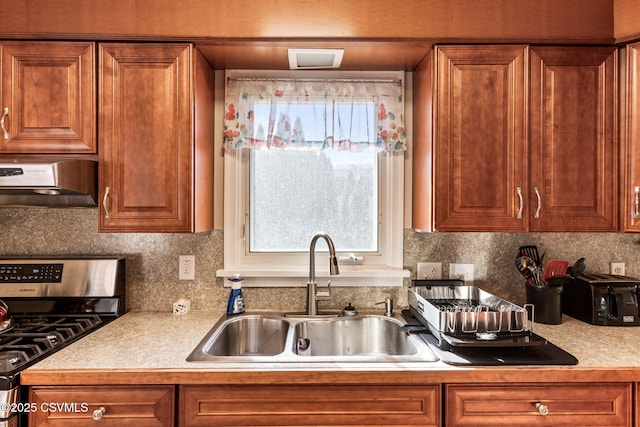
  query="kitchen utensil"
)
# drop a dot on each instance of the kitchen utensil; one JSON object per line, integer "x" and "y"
{"x": 6, "y": 323}
{"x": 523, "y": 267}
{"x": 533, "y": 268}
{"x": 532, "y": 252}
{"x": 558, "y": 280}
{"x": 578, "y": 268}
{"x": 555, "y": 267}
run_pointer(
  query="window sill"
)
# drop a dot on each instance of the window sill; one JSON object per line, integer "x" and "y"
{"x": 350, "y": 276}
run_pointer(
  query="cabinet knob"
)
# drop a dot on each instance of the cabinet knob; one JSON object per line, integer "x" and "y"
{"x": 542, "y": 408}
{"x": 98, "y": 413}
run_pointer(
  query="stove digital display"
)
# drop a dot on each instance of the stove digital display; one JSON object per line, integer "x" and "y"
{"x": 31, "y": 273}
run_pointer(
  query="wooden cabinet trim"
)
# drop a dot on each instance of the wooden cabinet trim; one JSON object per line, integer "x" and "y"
{"x": 574, "y": 144}
{"x": 584, "y": 404}
{"x": 142, "y": 406}
{"x": 156, "y": 138}
{"x": 49, "y": 91}
{"x": 309, "y": 405}
{"x": 480, "y": 151}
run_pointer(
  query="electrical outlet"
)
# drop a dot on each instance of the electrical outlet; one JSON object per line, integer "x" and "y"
{"x": 187, "y": 267}
{"x": 429, "y": 271}
{"x": 617, "y": 268}
{"x": 461, "y": 271}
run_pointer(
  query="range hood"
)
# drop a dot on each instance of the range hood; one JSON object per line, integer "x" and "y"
{"x": 54, "y": 184}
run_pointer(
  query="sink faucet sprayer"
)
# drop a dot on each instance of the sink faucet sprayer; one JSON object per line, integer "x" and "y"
{"x": 312, "y": 294}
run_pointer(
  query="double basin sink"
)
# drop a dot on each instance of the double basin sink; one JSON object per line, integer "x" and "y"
{"x": 272, "y": 337}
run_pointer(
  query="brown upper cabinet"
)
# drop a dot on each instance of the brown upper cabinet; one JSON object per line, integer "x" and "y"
{"x": 573, "y": 161}
{"x": 630, "y": 200}
{"x": 48, "y": 98}
{"x": 523, "y": 139}
{"x": 155, "y": 138}
{"x": 480, "y": 137}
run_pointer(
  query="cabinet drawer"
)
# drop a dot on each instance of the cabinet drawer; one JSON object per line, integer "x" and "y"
{"x": 584, "y": 404}
{"x": 309, "y": 405}
{"x": 139, "y": 406}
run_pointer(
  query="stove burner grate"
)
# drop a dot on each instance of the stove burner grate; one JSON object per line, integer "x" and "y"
{"x": 35, "y": 336}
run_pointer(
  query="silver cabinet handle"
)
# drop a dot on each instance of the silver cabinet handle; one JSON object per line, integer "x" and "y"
{"x": 519, "y": 190}
{"x": 542, "y": 409}
{"x": 104, "y": 202}
{"x": 636, "y": 203}
{"x": 537, "y": 214}
{"x": 98, "y": 413}
{"x": 5, "y": 113}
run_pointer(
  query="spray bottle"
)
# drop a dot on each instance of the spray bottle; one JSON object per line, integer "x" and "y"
{"x": 236, "y": 301}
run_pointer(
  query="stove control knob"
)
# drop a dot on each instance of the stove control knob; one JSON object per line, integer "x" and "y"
{"x": 542, "y": 409}
{"x": 98, "y": 413}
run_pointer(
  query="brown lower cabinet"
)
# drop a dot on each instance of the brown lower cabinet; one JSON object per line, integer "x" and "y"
{"x": 450, "y": 405}
{"x": 318, "y": 405}
{"x": 71, "y": 406}
{"x": 576, "y": 404}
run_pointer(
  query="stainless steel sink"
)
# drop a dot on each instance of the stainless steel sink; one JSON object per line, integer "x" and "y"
{"x": 250, "y": 335}
{"x": 364, "y": 335}
{"x": 270, "y": 337}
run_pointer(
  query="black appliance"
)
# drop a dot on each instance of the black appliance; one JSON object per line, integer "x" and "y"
{"x": 603, "y": 299}
{"x": 52, "y": 302}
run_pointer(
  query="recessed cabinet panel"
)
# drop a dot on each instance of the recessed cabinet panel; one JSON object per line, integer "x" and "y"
{"x": 630, "y": 203}
{"x": 68, "y": 406}
{"x": 524, "y": 139}
{"x": 573, "y": 159}
{"x": 48, "y": 98}
{"x": 155, "y": 160}
{"x": 315, "y": 405}
{"x": 589, "y": 404}
{"x": 480, "y": 138}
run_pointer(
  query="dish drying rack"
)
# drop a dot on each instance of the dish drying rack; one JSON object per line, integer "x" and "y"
{"x": 469, "y": 316}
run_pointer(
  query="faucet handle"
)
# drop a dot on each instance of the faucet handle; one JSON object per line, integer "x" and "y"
{"x": 326, "y": 294}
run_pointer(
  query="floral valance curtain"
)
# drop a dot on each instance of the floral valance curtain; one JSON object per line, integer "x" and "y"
{"x": 354, "y": 115}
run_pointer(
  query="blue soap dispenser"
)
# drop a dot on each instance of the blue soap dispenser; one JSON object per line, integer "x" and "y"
{"x": 236, "y": 301}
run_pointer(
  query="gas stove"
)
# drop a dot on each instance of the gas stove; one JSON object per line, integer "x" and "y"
{"x": 52, "y": 302}
{"x": 36, "y": 336}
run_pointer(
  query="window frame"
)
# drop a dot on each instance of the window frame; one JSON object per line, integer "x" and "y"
{"x": 384, "y": 268}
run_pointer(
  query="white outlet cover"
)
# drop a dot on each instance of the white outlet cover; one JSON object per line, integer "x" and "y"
{"x": 461, "y": 271}
{"x": 429, "y": 271}
{"x": 186, "y": 267}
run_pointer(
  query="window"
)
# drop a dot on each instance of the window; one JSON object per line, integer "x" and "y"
{"x": 277, "y": 199}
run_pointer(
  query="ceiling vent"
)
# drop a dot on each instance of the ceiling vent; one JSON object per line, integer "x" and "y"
{"x": 306, "y": 59}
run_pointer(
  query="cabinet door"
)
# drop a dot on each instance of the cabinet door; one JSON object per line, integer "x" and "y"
{"x": 480, "y": 138}
{"x": 48, "y": 97}
{"x": 588, "y": 404}
{"x": 573, "y": 160}
{"x": 146, "y": 132}
{"x": 140, "y": 406}
{"x": 630, "y": 206}
{"x": 309, "y": 405}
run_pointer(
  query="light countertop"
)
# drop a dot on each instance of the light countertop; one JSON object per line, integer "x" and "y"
{"x": 159, "y": 343}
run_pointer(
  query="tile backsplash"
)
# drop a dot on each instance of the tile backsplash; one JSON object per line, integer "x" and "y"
{"x": 152, "y": 259}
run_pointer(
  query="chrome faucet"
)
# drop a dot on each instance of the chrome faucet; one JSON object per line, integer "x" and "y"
{"x": 312, "y": 294}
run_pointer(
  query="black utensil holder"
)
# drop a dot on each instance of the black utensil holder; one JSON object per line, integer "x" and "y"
{"x": 547, "y": 303}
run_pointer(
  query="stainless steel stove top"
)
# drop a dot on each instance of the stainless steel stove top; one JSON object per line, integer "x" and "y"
{"x": 52, "y": 303}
